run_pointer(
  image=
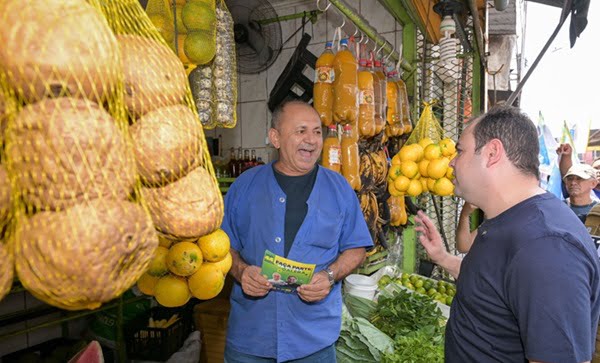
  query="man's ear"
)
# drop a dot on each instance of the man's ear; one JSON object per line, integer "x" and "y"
{"x": 493, "y": 152}
{"x": 274, "y": 137}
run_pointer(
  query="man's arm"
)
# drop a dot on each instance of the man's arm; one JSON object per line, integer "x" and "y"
{"x": 565, "y": 153}
{"x": 464, "y": 235}
{"x": 319, "y": 288}
{"x": 253, "y": 283}
{"x": 432, "y": 242}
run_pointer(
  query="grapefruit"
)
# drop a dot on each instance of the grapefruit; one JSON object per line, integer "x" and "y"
{"x": 214, "y": 246}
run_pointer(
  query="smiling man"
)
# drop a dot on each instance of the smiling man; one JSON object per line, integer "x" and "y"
{"x": 302, "y": 211}
{"x": 528, "y": 290}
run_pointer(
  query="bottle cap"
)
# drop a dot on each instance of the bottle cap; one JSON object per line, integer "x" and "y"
{"x": 347, "y": 127}
{"x": 362, "y": 62}
{"x": 377, "y": 63}
{"x": 332, "y": 127}
{"x": 328, "y": 45}
{"x": 344, "y": 41}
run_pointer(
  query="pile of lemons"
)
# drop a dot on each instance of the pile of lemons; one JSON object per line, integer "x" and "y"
{"x": 423, "y": 167}
{"x": 181, "y": 270}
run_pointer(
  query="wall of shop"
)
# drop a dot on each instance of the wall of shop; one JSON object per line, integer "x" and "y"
{"x": 253, "y": 114}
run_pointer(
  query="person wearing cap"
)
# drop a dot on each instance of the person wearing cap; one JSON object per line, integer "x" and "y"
{"x": 580, "y": 180}
{"x": 565, "y": 151}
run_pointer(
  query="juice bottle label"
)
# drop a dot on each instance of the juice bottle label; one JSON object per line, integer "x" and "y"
{"x": 335, "y": 155}
{"x": 324, "y": 74}
{"x": 366, "y": 97}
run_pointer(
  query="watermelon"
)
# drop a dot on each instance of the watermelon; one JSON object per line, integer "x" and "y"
{"x": 92, "y": 353}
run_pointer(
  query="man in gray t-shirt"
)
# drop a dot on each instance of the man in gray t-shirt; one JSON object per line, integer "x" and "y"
{"x": 580, "y": 180}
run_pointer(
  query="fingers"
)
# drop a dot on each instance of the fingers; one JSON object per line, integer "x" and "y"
{"x": 316, "y": 290}
{"x": 253, "y": 283}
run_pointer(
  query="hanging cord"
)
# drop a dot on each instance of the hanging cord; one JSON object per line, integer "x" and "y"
{"x": 305, "y": 19}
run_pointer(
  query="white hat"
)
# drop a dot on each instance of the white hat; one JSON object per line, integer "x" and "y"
{"x": 584, "y": 171}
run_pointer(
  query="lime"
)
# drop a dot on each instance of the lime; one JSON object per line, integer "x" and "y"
{"x": 421, "y": 290}
{"x": 449, "y": 300}
{"x": 431, "y": 292}
{"x": 418, "y": 283}
{"x": 441, "y": 289}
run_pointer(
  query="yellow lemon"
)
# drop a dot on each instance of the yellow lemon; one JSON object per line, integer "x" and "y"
{"x": 164, "y": 242}
{"x": 158, "y": 264}
{"x": 430, "y": 184}
{"x": 443, "y": 187}
{"x": 394, "y": 172}
{"x": 412, "y": 152}
{"x": 414, "y": 188}
{"x": 450, "y": 173}
{"x": 424, "y": 142}
{"x": 184, "y": 258}
{"x": 214, "y": 246}
{"x": 146, "y": 283}
{"x": 172, "y": 291}
{"x": 423, "y": 164}
{"x": 448, "y": 147}
{"x": 424, "y": 184}
{"x": 409, "y": 169}
{"x": 437, "y": 168}
{"x": 207, "y": 282}
{"x": 401, "y": 183}
{"x": 393, "y": 191}
{"x": 396, "y": 159}
{"x": 224, "y": 264}
{"x": 432, "y": 152}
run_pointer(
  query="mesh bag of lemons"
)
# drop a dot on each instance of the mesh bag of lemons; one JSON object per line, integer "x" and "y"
{"x": 200, "y": 32}
{"x": 187, "y": 269}
{"x": 103, "y": 149}
{"x": 422, "y": 163}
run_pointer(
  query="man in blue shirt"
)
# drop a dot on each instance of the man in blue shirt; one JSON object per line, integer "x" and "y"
{"x": 565, "y": 153}
{"x": 306, "y": 213}
{"x": 529, "y": 288}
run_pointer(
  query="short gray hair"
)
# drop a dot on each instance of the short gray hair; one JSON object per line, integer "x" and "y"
{"x": 277, "y": 113}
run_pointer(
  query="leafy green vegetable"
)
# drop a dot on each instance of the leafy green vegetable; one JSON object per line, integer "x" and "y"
{"x": 359, "y": 307}
{"x": 401, "y": 313}
{"x": 422, "y": 346}
{"x": 360, "y": 341}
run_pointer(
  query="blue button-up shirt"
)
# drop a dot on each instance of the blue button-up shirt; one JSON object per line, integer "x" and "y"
{"x": 281, "y": 325}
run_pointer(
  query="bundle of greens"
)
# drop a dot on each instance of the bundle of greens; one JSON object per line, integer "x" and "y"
{"x": 360, "y": 341}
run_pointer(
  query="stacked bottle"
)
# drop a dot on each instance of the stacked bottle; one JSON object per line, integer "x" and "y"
{"x": 332, "y": 158}
{"x": 345, "y": 86}
{"x": 366, "y": 100}
{"x": 323, "y": 86}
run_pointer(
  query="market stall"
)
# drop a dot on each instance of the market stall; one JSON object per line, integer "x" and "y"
{"x": 151, "y": 85}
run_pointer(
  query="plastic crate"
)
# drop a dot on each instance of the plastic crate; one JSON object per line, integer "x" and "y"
{"x": 145, "y": 343}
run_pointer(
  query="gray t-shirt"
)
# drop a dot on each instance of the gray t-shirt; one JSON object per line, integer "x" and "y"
{"x": 581, "y": 211}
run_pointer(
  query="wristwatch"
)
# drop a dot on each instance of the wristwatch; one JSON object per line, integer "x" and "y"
{"x": 330, "y": 276}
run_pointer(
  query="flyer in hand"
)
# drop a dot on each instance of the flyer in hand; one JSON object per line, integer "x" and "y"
{"x": 285, "y": 274}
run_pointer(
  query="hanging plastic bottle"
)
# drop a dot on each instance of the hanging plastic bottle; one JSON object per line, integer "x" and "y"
{"x": 393, "y": 125}
{"x": 350, "y": 159}
{"x": 323, "y": 86}
{"x": 366, "y": 100}
{"x": 379, "y": 93}
{"x": 405, "y": 106}
{"x": 332, "y": 151}
{"x": 345, "y": 86}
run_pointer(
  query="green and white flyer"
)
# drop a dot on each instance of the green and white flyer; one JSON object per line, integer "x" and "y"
{"x": 285, "y": 274}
